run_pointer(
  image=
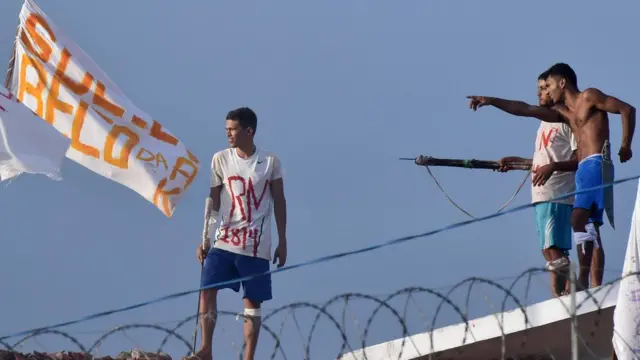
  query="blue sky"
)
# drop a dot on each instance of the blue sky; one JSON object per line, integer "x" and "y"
{"x": 341, "y": 89}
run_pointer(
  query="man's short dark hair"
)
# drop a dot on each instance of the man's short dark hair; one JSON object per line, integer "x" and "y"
{"x": 544, "y": 75}
{"x": 245, "y": 117}
{"x": 563, "y": 70}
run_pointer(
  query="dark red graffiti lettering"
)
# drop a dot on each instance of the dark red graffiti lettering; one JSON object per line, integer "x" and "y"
{"x": 238, "y": 237}
{"x": 251, "y": 194}
{"x": 237, "y": 198}
{"x": 225, "y": 235}
{"x": 248, "y": 192}
{"x": 546, "y": 138}
{"x": 235, "y": 236}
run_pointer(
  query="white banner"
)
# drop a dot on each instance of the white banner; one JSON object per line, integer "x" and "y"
{"x": 109, "y": 134}
{"x": 626, "y": 316}
{"x": 27, "y": 143}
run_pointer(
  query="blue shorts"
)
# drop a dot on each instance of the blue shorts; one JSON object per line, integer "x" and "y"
{"x": 553, "y": 221}
{"x": 589, "y": 175}
{"x": 221, "y": 265}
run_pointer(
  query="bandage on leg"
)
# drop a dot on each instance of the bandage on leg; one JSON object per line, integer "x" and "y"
{"x": 558, "y": 264}
{"x": 580, "y": 238}
{"x": 251, "y": 313}
{"x": 591, "y": 230}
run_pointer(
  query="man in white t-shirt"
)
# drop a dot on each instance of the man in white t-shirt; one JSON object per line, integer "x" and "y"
{"x": 553, "y": 166}
{"x": 246, "y": 182}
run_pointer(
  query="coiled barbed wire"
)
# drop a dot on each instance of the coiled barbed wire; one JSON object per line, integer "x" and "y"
{"x": 322, "y": 259}
{"x": 347, "y": 346}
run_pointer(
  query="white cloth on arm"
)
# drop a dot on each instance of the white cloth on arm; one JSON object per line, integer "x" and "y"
{"x": 210, "y": 215}
{"x": 210, "y": 219}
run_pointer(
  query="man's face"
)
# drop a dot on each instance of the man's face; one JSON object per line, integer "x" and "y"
{"x": 236, "y": 134}
{"x": 543, "y": 95}
{"x": 555, "y": 88}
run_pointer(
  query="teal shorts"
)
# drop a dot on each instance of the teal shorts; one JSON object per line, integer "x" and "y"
{"x": 553, "y": 221}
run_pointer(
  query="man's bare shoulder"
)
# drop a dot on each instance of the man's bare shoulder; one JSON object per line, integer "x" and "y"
{"x": 597, "y": 99}
{"x": 591, "y": 95}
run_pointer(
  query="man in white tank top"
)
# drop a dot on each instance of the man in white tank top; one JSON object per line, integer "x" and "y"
{"x": 246, "y": 182}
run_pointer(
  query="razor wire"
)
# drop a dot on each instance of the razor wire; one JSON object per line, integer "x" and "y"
{"x": 315, "y": 261}
{"x": 331, "y": 320}
{"x": 321, "y": 310}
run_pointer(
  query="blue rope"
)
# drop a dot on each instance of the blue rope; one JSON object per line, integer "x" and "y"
{"x": 312, "y": 262}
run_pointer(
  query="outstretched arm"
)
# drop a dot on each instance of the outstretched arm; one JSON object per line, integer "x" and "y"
{"x": 518, "y": 108}
{"x": 614, "y": 105}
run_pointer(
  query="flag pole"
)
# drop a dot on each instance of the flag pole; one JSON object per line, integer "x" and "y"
{"x": 195, "y": 331}
{"x": 9, "y": 76}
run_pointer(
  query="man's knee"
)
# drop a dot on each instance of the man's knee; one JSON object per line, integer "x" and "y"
{"x": 555, "y": 252}
{"x": 251, "y": 303}
{"x": 208, "y": 294}
{"x": 209, "y": 301}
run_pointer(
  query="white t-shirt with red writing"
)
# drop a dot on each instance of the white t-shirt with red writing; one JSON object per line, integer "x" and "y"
{"x": 556, "y": 142}
{"x": 246, "y": 201}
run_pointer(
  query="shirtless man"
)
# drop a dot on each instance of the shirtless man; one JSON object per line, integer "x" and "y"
{"x": 555, "y": 147}
{"x": 586, "y": 113}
